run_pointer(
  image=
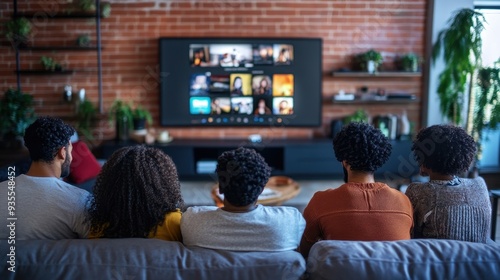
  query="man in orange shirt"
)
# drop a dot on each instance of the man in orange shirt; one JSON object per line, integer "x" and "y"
{"x": 361, "y": 209}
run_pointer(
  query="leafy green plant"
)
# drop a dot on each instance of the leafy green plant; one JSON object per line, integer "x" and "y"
{"x": 486, "y": 103}
{"x": 86, "y": 115}
{"x": 362, "y": 59}
{"x": 18, "y": 30}
{"x": 461, "y": 45}
{"x": 86, "y": 5}
{"x": 409, "y": 62}
{"x": 50, "y": 64}
{"x": 121, "y": 110}
{"x": 17, "y": 112}
{"x": 359, "y": 116}
{"x": 83, "y": 40}
{"x": 105, "y": 9}
{"x": 141, "y": 113}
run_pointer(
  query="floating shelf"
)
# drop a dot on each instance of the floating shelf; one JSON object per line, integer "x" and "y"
{"x": 59, "y": 48}
{"x": 359, "y": 101}
{"x": 45, "y": 72}
{"x": 57, "y": 16}
{"x": 388, "y": 74}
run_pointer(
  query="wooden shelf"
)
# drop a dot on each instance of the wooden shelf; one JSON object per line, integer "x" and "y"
{"x": 59, "y": 48}
{"x": 45, "y": 72}
{"x": 57, "y": 16}
{"x": 371, "y": 102}
{"x": 388, "y": 74}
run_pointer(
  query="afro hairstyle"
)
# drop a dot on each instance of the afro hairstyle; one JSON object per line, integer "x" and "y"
{"x": 242, "y": 174}
{"x": 362, "y": 146}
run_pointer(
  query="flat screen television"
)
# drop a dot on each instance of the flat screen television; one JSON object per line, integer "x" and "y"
{"x": 240, "y": 81}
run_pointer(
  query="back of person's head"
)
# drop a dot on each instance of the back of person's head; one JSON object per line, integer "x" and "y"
{"x": 445, "y": 149}
{"x": 362, "y": 146}
{"x": 45, "y": 137}
{"x": 242, "y": 174}
{"x": 134, "y": 191}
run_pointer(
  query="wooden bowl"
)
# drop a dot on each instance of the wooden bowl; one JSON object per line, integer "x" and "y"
{"x": 279, "y": 181}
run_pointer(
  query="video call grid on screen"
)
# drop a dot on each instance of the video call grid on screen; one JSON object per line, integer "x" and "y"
{"x": 240, "y": 81}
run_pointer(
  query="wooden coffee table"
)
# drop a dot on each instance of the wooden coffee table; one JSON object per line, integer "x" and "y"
{"x": 278, "y": 190}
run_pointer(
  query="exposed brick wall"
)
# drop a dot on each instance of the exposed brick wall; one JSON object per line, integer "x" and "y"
{"x": 130, "y": 54}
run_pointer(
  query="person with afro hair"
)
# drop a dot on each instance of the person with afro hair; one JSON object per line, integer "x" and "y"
{"x": 448, "y": 207}
{"x": 361, "y": 209}
{"x": 241, "y": 224}
{"x": 46, "y": 206}
{"x": 137, "y": 194}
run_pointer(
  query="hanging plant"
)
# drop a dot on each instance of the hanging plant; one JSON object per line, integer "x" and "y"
{"x": 461, "y": 45}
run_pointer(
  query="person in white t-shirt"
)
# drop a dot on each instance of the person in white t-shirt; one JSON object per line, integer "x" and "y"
{"x": 44, "y": 206}
{"x": 241, "y": 224}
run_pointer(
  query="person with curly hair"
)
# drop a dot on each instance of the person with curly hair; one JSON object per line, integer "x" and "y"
{"x": 361, "y": 209}
{"x": 46, "y": 207}
{"x": 241, "y": 224}
{"x": 137, "y": 194}
{"x": 448, "y": 207}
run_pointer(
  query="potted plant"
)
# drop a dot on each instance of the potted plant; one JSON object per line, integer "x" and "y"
{"x": 486, "y": 108}
{"x": 141, "y": 116}
{"x": 86, "y": 5}
{"x": 83, "y": 40}
{"x": 461, "y": 45}
{"x": 359, "y": 116}
{"x": 50, "y": 64}
{"x": 369, "y": 61}
{"x": 17, "y": 113}
{"x": 121, "y": 114}
{"x": 18, "y": 31}
{"x": 105, "y": 9}
{"x": 86, "y": 115}
{"x": 409, "y": 62}
{"x": 89, "y": 6}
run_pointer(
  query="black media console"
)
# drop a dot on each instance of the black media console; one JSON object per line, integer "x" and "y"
{"x": 297, "y": 158}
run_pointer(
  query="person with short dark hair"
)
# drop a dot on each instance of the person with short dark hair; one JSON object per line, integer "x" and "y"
{"x": 241, "y": 224}
{"x": 137, "y": 195}
{"x": 361, "y": 209}
{"x": 46, "y": 207}
{"x": 448, "y": 207}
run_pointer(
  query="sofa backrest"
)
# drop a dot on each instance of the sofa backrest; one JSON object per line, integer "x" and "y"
{"x": 143, "y": 259}
{"x": 405, "y": 259}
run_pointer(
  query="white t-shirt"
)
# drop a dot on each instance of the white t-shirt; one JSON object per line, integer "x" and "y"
{"x": 45, "y": 208}
{"x": 266, "y": 228}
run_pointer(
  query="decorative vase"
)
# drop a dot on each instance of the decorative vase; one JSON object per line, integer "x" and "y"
{"x": 122, "y": 133}
{"x": 371, "y": 66}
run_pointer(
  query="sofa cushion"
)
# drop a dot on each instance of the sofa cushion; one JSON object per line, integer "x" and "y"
{"x": 143, "y": 259}
{"x": 405, "y": 259}
{"x": 84, "y": 165}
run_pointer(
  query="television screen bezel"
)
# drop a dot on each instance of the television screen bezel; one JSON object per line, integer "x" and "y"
{"x": 316, "y": 112}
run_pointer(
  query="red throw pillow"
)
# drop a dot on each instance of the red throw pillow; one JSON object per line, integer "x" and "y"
{"x": 84, "y": 165}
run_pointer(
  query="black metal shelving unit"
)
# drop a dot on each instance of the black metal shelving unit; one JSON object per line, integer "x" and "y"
{"x": 76, "y": 15}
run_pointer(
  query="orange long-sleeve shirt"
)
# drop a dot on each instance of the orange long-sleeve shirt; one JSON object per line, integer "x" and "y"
{"x": 357, "y": 211}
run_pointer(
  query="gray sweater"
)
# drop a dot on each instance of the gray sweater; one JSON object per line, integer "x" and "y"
{"x": 266, "y": 228}
{"x": 459, "y": 209}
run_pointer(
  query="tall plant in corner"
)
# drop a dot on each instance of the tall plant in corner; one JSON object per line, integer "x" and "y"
{"x": 461, "y": 45}
{"x": 486, "y": 105}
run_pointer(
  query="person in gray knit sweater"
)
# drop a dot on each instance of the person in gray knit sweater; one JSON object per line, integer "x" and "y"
{"x": 448, "y": 207}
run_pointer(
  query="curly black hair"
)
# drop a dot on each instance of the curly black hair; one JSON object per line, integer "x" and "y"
{"x": 134, "y": 191}
{"x": 45, "y": 137}
{"x": 363, "y": 146}
{"x": 242, "y": 174}
{"x": 445, "y": 149}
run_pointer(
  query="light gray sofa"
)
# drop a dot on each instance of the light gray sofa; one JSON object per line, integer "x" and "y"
{"x": 143, "y": 259}
{"x": 156, "y": 259}
{"x": 406, "y": 259}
